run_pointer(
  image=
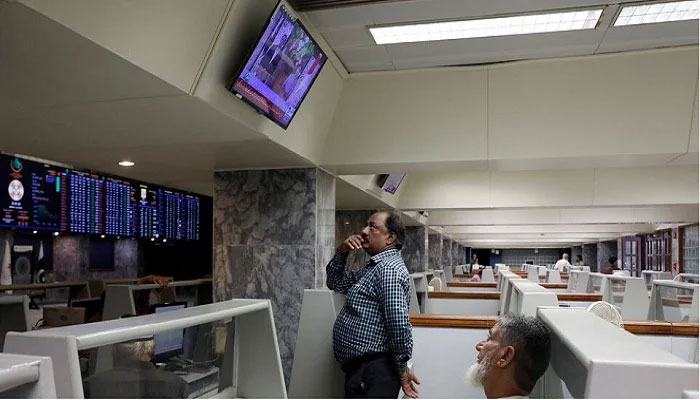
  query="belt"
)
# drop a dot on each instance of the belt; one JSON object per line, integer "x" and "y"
{"x": 355, "y": 363}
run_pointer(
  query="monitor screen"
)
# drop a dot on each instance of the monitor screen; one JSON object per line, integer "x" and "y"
{"x": 42, "y": 196}
{"x": 281, "y": 68}
{"x": 392, "y": 182}
{"x": 169, "y": 343}
{"x": 33, "y": 195}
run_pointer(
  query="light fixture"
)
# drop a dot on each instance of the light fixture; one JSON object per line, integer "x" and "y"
{"x": 55, "y": 233}
{"x": 153, "y": 239}
{"x": 165, "y": 240}
{"x": 488, "y": 27}
{"x": 657, "y": 12}
{"x": 102, "y": 236}
{"x": 35, "y": 232}
{"x": 126, "y": 163}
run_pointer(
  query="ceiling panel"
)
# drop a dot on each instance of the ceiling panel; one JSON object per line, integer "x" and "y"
{"x": 636, "y": 37}
{"x": 346, "y": 30}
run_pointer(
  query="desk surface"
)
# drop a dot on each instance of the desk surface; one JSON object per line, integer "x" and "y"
{"x": 29, "y": 286}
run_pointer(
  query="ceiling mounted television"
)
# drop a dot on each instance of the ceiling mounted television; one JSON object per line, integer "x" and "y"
{"x": 390, "y": 182}
{"x": 280, "y": 69}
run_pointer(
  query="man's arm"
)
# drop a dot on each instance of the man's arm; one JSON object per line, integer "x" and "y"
{"x": 394, "y": 294}
{"x": 337, "y": 278}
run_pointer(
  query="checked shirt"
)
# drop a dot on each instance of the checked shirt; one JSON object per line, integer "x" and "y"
{"x": 375, "y": 316}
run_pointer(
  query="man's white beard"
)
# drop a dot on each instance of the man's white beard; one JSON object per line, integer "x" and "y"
{"x": 477, "y": 372}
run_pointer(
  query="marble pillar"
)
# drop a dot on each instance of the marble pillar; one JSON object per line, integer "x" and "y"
{"x": 446, "y": 253}
{"x": 435, "y": 251}
{"x": 272, "y": 238}
{"x": 456, "y": 254}
{"x": 575, "y": 251}
{"x": 590, "y": 256}
{"x": 415, "y": 249}
{"x": 606, "y": 250}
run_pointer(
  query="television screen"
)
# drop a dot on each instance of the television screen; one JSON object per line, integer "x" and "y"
{"x": 41, "y": 196}
{"x": 34, "y": 195}
{"x": 392, "y": 182}
{"x": 280, "y": 69}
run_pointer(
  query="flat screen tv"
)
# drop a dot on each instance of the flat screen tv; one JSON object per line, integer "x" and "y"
{"x": 390, "y": 182}
{"x": 281, "y": 67}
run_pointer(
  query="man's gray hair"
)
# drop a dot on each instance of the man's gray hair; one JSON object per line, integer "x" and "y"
{"x": 531, "y": 340}
{"x": 142, "y": 349}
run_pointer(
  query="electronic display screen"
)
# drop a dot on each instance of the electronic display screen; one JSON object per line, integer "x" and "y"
{"x": 42, "y": 196}
{"x": 34, "y": 195}
{"x": 281, "y": 68}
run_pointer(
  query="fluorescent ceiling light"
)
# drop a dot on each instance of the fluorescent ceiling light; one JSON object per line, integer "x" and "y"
{"x": 126, "y": 163}
{"x": 488, "y": 27}
{"x": 658, "y": 12}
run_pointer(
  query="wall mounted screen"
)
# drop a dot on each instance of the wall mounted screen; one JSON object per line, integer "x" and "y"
{"x": 40, "y": 196}
{"x": 281, "y": 68}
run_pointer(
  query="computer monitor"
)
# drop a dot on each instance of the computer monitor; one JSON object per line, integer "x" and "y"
{"x": 170, "y": 343}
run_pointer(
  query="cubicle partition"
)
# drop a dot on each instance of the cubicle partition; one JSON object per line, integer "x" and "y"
{"x": 14, "y": 315}
{"x": 673, "y": 301}
{"x": 127, "y": 299}
{"x": 628, "y": 294}
{"x": 29, "y": 377}
{"x": 592, "y": 358}
{"x": 315, "y": 372}
{"x": 651, "y": 276}
{"x": 233, "y": 350}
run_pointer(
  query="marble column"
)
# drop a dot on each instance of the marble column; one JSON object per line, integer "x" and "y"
{"x": 435, "y": 251}
{"x": 590, "y": 256}
{"x": 415, "y": 249}
{"x": 446, "y": 253}
{"x": 606, "y": 250}
{"x": 272, "y": 237}
{"x": 456, "y": 254}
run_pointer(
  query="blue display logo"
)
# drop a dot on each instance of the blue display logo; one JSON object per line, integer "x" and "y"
{"x": 16, "y": 165}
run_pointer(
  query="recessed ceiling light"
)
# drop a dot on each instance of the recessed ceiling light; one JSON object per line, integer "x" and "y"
{"x": 657, "y": 12}
{"x": 55, "y": 233}
{"x": 102, "y": 236}
{"x": 34, "y": 232}
{"x": 488, "y": 27}
{"x": 126, "y": 163}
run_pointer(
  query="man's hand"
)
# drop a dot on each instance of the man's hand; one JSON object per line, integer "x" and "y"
{"x": 353, "y": 242}
{"x": 408, "y": 378}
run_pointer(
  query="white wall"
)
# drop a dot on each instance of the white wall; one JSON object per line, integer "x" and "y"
{"x": 168, "y": 38}
{"x": 551, "y": 188}
{"x": 625, "y": 109}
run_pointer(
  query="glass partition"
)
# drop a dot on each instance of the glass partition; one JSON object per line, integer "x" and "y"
{"x": 179, "y": 363}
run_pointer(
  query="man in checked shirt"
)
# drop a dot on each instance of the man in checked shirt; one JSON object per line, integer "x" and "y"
{"x": 372, "y": 334}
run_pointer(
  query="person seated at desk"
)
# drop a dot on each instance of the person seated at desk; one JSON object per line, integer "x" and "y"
{"x": 563, "y": 265}
{"x": 512, "y": 358}
{"x": 612, "y": 266}
{"x": 134, "y": 376}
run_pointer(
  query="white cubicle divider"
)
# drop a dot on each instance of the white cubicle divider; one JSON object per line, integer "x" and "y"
{"x": 533, "y": 275}
{"x": 595, "y": 282}
{"x": 553, "y": 276}
{"x": 448, "y": 273}
{"x": 119, "y": 299}
{"x": 628, "y": 294}
{"x": 690, "y": 394}
{"x": 676, "y": 308}
{"x": 625, "y": 272}
{"x": 505, "y": 291}
{"x": 420, "y": 286}
{"x": 591, "y": 358}
{"x": 440, "y": 274}
{"x": 28, "y": 377}
{"x": 441, "y": 356}
{"x": 251, "y": 366}
{"x": 526, "y": 296}
{"x": 487, "y": 275}
{"x": 315, "y": 372}
{"x": 689, "y": 278}
{"x": 651, "y": 276}
{"x": 578, "y": 281}
{"x": 14, "y": 315}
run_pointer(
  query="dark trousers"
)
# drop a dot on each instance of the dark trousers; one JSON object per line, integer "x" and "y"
{"x": 372, "y": 377}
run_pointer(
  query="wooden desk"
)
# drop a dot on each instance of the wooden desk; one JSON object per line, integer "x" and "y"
{"x": 472, "y": 284}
